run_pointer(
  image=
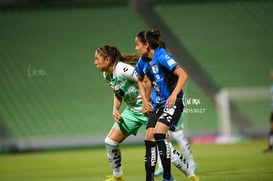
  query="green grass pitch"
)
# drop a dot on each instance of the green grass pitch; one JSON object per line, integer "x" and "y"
{"x": 242, "y": 161}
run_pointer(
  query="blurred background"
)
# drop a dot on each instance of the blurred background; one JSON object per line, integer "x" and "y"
{"x": 52, "y": 95}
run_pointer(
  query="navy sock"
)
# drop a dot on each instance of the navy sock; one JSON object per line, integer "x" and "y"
{"x": 165, "y": 154}
{"x": 150, "y": 159}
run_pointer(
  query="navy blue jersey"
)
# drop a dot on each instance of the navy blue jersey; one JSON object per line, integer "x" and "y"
{"x": 160, "y": 73}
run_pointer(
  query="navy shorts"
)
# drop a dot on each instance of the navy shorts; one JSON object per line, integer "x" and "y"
{"x": 170, "y": 117}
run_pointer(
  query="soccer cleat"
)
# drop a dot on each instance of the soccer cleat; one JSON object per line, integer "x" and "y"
{"x": 158, "y": 172}
{"x": 194, "y": 178}
{"x": 171, "y": 179}
{"x": 114, "y": 178}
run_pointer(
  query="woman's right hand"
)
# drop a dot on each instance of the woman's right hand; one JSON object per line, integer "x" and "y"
{"x": 147, "y": 107}
{"x": 116, "y": 116}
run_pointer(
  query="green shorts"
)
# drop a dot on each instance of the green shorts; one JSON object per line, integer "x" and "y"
{"x": 131, "y": 122}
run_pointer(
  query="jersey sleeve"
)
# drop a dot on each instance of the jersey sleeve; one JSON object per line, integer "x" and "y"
{"x": 139, "y": 67}
{"x": 167, "y": 61}
{"x": 127, "y": 71}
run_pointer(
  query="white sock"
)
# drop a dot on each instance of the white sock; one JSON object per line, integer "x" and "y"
{"x": 159, "y": 163}
{"x": 114, "y": 156}
{"x": 180, "y": 162}
{"x": 184, "y": 145}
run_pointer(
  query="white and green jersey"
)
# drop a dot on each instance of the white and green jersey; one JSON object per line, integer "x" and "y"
{"x": 124, "y": 83}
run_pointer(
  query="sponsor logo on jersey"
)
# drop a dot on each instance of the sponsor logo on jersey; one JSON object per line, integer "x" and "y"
{"x": 170, "y": 62}
{"x": 155, "y": 69}
{"x": 125, "y": 69}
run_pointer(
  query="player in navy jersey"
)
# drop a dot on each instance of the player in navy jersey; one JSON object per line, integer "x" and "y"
{"x": 168, "y": 80}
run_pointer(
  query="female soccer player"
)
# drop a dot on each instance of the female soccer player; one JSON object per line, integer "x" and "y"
{"x": 122, "y": 79}
{"x": 168, "y": 80}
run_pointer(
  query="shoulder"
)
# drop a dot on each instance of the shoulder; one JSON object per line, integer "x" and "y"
{"x": 140, "y": 66}
{"x": 122, "y": 68}
{"x": 163, "y": 54}
{"x": 166, "y": 59}
{"x": 140, "y": 61}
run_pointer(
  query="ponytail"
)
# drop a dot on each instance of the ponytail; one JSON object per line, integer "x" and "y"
{"x": 152, "y": 37}
{"x": 130, "y": 59}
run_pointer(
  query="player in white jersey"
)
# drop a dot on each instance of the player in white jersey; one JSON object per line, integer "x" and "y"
{"x": 122, "y": 79}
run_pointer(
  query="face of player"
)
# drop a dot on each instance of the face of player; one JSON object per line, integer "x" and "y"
{"x": 102, "y": 63}
{"x": 141, "y": 48}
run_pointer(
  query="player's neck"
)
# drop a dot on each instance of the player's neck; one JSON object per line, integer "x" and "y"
{"x": 111, "y": 70}
{"x": 151, "y": 53}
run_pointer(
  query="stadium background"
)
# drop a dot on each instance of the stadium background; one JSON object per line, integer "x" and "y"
{"x": 52, "y": 96}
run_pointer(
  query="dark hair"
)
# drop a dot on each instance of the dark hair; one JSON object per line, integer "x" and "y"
{"x": 152, "y": 37}
{"x": 115, "y": 55}
{"x": 110, "y": 51}
{"x": 130, "y": 59}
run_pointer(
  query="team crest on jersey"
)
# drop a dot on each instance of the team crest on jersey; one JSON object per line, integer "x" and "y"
{"x": 155, "y": 69}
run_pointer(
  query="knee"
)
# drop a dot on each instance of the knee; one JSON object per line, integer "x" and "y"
{"x": 108, "y": 141}
{"x": 149, "y": 134}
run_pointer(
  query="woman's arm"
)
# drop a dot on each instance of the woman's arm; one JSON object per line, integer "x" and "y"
{"x": 148, "y": 88}
{"x": 144, "y": 92}
{"x": 182, "y": 78}
{"x": 116, "y": 106}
